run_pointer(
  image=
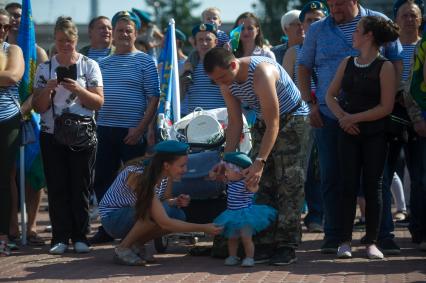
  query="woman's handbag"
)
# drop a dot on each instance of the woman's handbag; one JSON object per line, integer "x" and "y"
{"x": 76, "y": 131}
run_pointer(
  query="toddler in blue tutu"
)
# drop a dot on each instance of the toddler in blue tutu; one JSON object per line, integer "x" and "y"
{"x": 242, "y": 218}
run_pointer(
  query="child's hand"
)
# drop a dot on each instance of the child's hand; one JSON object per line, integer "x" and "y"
{"x": 212, "y": 229}
{"x": 183, "y": 200}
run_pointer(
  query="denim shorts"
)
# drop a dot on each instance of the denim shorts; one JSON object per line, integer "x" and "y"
{"x": 119, "y": 222}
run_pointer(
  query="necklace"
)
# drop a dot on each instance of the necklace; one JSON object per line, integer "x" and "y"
{"x": 363, "y": 65}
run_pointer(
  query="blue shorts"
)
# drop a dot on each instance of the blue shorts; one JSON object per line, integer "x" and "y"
{"x": 119, "y": 222}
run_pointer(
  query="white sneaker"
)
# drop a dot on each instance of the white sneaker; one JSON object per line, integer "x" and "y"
{"x": 248, "y": 262}
{"x": 58, "y": 249}
{"x": 373, "y": 252}
{"x": 81, "y": 248}
{"x": 344, "y": 251}
{"x": 232, "y": 260}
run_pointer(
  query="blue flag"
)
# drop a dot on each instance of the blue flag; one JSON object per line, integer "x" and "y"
{"x": 169, "y": 109}
{"x": 234, "y": 36}
{"x": 26, "y": 40}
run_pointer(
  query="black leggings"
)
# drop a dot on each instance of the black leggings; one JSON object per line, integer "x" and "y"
{"x": 362, "y": 157}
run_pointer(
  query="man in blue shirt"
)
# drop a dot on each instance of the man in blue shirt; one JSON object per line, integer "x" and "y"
{"x": 326, "y": 44}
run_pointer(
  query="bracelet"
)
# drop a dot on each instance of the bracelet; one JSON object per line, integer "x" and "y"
{"x": 263, "y": 161}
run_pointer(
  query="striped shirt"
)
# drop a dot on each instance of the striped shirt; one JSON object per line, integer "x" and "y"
{"x": 407, "y": 58}
{"x": 120, "y": 195}
{"x": 202, "y": 92}
{"x": 222, "y": 38}
{"x": 98, "y": 54}
{"x": 288, "y": 94}
{"x": 296, "y": 68}
{"x": 259, "y": 51}
{"x": 8, "y": 106}
{"x": 129, "y": 80}
{"x": 349, "y": 28}
{"x": 238, "y": 196}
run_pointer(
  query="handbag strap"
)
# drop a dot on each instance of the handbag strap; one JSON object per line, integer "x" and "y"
{"x": 53, "y": 92}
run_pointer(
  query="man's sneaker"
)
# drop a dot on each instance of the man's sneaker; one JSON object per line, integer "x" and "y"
{"x": 262, "y": 254}
{"x": 58, "y": 249}
{"x": 344, "y": 251}
{"x": 81, "y": 247}
{"x": 100, "y": 237}
{"x": 359, "y": 225}
{"x": 314, "y": 227}
{"x": 283, "y": 256}
{"x": 388, "y": 247}
{"x": 403, "y": 222}
{"x": 329, "y": 247}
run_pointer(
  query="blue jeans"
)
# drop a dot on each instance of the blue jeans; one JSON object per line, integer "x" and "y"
{"x": 111, "y": 154}
{"x": 416, "y": 163}
{"x": 331, "y": 186}
{"x": 119, "y": 222}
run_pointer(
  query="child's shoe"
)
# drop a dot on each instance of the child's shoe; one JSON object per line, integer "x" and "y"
{"x": 232, "y": 260}
{"x": 248, "y": 262}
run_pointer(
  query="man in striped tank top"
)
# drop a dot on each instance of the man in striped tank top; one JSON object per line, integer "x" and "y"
{"x": 326, "y": 44}
{"x": 280, "y": 137}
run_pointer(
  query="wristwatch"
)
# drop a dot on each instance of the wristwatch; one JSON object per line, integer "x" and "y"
{"x": 263, "y": 161}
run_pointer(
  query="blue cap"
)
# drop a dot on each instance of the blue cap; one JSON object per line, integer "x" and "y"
{"x": 238, "y": 158}
{"x": 126, "y": 15}
{"x": 399, "y": 3}
{"x": 143, "y": 16}
{"x": 180, "y": 35}
{"x": 312, "y": 6}
{"x": 172, "y": 147}
{"x": 204, "y": 27}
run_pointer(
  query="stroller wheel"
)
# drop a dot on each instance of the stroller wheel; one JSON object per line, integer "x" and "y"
{"x": 193, "y": 240}
{"x": 161, "y": 244}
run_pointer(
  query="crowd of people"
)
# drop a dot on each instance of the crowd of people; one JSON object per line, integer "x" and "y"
{"x": 339, "y": 105}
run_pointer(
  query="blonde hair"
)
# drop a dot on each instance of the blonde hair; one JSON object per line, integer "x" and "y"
{"x": 67, "y": 26}
{"x": 212, "y": 10}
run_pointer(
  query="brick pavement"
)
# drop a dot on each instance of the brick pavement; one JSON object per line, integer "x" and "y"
{"x": 34, "y": 264}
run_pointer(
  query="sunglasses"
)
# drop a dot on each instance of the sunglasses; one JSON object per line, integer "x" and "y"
{"x": 4, "y": 27}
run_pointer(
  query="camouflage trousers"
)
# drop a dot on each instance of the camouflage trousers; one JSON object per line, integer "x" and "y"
{"x": 282, "y": 182}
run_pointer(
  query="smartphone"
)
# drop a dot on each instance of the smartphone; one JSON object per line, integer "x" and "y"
{"x": 66, "y": 72}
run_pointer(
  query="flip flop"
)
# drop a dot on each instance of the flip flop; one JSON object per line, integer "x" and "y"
{"x": 35, "y": 240}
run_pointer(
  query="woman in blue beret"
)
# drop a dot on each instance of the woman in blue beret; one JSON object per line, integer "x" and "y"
{"x": 242, "y": 218}
{"x": 151, "y": 219}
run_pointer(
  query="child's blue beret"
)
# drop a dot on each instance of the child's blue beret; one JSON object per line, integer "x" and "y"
{"x": 399, "y": 3}
{"x": 172, "y": 147}
{"x": 126, "y": 14}
{"x": 238, "y": 158}
{"x": 311, "y": 6}
{"x": 204, "y": 27}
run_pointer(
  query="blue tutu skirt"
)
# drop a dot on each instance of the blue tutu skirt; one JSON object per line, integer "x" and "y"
{"x": 247, "y": 221}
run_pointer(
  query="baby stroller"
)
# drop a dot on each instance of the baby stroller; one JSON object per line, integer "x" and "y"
{"x": 204, "y": 132}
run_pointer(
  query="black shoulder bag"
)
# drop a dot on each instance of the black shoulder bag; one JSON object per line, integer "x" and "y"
{"x": 73, "y": 130}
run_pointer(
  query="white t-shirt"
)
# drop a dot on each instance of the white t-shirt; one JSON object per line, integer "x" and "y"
{"x": 88, "y": 75}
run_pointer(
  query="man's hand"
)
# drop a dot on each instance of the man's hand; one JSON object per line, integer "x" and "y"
{"x": 253, "y": 174}
{"x": 133, "y": 136}
{"x": 315, "y": 116}
{"x": 420, "y": 128}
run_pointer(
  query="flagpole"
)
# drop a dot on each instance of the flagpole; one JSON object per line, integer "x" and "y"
{"x": 22, "y": 193}
{"x": 175, "y": 70}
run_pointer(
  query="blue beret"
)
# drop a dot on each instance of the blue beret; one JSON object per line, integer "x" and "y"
{"x": 172, "y": 147}
{"x": 399, "y": 3}
{"x": 128, "y": 15}
{"x": 238, "y": 158}
{"x": 312, "y": 6}
{"x": 204, "y": 27}
{"x": 180, "y": 35}
{"x": 143, "y": 16}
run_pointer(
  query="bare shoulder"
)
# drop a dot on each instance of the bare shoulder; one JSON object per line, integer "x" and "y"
{"x": 265, "y": 70}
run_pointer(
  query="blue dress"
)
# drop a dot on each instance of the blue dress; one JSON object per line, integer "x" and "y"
{"x": 241, "y": 215}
